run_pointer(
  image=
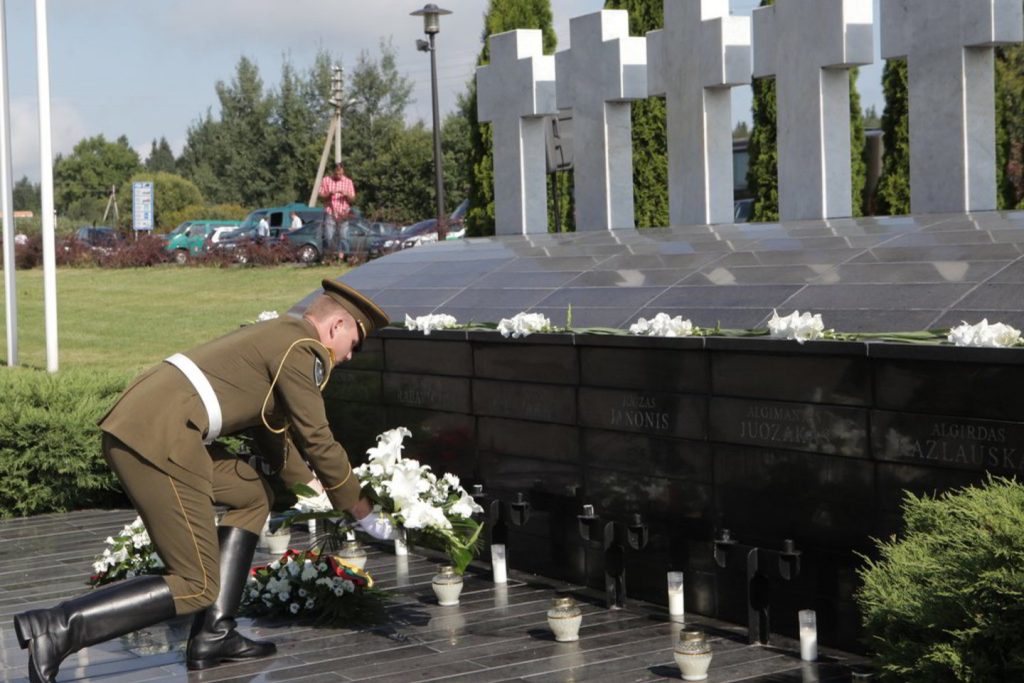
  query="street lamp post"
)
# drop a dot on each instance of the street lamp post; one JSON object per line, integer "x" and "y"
{"x": 432, "y": 26}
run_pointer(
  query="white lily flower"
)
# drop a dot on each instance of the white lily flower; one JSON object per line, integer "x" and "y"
{"x": 523, "y": 324}
{"x": 429, "y": 323}
{"x": 801, "y": 327}
{"x": 465, "y": 506}
{"x": 996, "y": 335}
{"x": 662, "y": 325}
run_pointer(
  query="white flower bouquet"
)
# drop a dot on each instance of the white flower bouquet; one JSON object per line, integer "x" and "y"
{"x": 315, "y": 585}
{"x": 435, "y": 512}
{"x": 429, "y": 323}
{"x": 805, "y": 327}
{"x": 663, "y": 325}
{"x": 995, "y": 335}
{"x": 524, "y": 324}
{"x": 130, "y": 553}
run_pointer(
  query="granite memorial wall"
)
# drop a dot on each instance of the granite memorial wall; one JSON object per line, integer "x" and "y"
{"x": 771, "y": 440}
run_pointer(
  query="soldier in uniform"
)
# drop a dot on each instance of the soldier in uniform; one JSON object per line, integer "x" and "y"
{"x": 265, "y": 377}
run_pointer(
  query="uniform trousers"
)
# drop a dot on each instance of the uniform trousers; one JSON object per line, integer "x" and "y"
{"x": 180, "y": 518}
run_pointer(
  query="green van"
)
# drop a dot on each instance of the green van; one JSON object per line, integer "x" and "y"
{"x": 280, "y": 217}
{"x": 190, "y": 238}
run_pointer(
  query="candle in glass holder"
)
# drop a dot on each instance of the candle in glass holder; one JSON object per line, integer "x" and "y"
{"x": 808, "y": 635}
{"x": 675, "y": 594}
{"x": 402, "y": 570}
{"x": 498, "y": 563}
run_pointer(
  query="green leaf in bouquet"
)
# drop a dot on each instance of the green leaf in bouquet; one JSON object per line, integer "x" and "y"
{"x": 304, "y": 491}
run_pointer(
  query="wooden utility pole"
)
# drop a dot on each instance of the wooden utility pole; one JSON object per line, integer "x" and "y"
{"x": 333, "y": 133}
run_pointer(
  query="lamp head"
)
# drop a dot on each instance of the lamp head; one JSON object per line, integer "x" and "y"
{"x": 431, "y": 14}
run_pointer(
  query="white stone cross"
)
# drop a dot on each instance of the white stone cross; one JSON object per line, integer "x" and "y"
{"x": 694, "y": 60}
{"x": 948, "y": 45}
{"x": 808, "y": 45}
{"x": 514, "y": 92}
{"x": 598, "y": 76}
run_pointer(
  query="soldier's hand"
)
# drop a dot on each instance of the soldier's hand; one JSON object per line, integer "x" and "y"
{"x": 378, "y": 526}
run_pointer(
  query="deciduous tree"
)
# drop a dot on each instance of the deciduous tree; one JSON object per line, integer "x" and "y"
{"x": 84, "y": 178}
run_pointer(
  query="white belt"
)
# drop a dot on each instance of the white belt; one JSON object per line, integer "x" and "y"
{"x": 205, "y": 391}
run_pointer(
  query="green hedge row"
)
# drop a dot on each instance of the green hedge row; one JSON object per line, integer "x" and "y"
{"x": 50, "y": 459}
{"x": 945, "y": 602}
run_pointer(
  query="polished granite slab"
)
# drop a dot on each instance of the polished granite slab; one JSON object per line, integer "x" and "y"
{"x": 863, "y": 274}
{"x": 495, "y": 634}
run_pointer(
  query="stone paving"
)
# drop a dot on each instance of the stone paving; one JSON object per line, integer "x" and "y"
{"x": 494, "y": 634}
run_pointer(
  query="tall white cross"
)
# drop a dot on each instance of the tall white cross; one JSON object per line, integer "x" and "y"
{"x": 514, "y": 92}
{"x": 694, "y": 60}
{"x": 948, "y": 45}
{"x": 808, "y": 45}
{"x": 597, "y": 77}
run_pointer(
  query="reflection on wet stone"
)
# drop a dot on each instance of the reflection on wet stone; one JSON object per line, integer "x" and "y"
{"x": 353, "y": 385}
{"x": 962, "y": 443}
{"x": 829, "y": 430}
{"x": 540, "y": 402}
{"x": 651, "y": 370}
{"x": 427, "y": 391}
{"x": 649, "y": 413}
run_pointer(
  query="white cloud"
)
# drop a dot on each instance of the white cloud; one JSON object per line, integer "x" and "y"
{"x": 67, "y": 126}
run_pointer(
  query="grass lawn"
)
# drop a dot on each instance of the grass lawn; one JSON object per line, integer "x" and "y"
{"x": 129, "y": 319}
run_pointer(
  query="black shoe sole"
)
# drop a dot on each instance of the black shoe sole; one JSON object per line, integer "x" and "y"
{"x": 200, "y": 664}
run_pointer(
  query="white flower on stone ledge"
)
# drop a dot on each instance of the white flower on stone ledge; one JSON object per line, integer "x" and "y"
{"x": 662, "y": 325}
{"x": 801, "y": 327}
{"x": 996, "y": 335}
{"x": 429, "y": 323}
{"x": 522, "y": 324}
{"x": 266, "y": 315}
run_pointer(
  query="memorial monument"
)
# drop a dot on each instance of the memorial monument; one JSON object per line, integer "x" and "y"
{"x": 678, "y": 440}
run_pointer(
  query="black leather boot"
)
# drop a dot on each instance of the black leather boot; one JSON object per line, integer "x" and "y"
{"x": 52, "y": 634}
{"x": 213, "y": 638}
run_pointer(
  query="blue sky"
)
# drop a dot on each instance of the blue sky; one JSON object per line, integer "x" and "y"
{"x": 145, "y": 69}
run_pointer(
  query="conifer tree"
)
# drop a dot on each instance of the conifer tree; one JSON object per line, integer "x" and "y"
{"x": 763, "y": 169}
{"x": 893, "y": 198}
{"x": 502, "y": 15}
{"x": 1010, "y": 126}
{"x": 650, "y": 143}
{"x": 762, "y": 148}
{"x": 858, "y": 163}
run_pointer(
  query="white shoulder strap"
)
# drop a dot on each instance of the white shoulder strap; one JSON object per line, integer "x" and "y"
{"x": 205, "y": 391}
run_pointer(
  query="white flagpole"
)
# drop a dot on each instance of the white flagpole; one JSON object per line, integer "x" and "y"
{"x": 46, "y": 187}
{"x": 7, "y": 197}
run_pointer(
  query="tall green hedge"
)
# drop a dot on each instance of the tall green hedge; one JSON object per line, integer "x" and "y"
{"x": 50, "y": 458}
{"x": 946, "y": 601}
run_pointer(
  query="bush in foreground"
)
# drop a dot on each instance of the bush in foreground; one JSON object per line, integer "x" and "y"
{"x": 946, "y": 601}
{"x": 50, "y": 459}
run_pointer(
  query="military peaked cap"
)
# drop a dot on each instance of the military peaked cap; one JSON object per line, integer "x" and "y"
{"x": 369, "y": 316}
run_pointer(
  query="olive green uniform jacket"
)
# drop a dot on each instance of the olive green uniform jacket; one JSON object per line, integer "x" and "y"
{"x": 267, "y": 378}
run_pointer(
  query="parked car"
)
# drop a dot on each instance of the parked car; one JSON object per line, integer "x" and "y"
{"x": 98, "y": 237}
{"x": 743, "y": 209}
{"x": 426, "y": 230}
{"x": 307, "y": 243}
{"x": 281, "y": 216}
{"x": 190, "y": 238}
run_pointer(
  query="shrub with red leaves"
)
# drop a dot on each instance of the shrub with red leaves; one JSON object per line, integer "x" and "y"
{"x": 146, "y": 251}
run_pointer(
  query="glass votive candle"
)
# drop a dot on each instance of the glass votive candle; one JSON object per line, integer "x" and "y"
{"x": 675, "y": 594}
{"x": 808, "y": 635}
{"x": 498, "y": 567}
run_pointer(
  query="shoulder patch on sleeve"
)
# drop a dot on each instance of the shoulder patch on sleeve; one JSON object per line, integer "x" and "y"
{"x": 318, "y": 371}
